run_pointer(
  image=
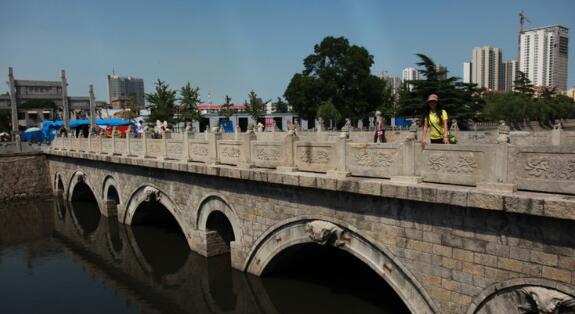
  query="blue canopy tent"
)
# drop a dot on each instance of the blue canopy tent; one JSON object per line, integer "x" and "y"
{"x": 50, "y": 128}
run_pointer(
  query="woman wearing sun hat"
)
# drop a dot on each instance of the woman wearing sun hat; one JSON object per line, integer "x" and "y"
{"x": 434, "y": 119}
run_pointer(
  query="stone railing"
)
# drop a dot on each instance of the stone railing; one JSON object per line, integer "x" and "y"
{"x": 501, "y": 167}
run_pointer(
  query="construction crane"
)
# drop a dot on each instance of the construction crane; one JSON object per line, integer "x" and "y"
{"x": 522, "y": 20}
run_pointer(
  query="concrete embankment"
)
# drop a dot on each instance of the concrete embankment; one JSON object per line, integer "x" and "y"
{"x": 23, "y": 175}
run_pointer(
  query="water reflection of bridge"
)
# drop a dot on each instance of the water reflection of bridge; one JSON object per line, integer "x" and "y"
{"x": 122, "y": 257}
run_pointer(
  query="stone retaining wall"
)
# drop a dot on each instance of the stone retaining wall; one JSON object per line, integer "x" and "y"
{"x": 23, "y": 175}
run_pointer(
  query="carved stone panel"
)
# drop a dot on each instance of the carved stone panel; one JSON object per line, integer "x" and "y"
{"x": 373, "y": 160}
{"x": 154, "y": 147}
{"x": 549, "y": 169}
{"x": 84, "y": 145}
{"x": 465, "y": 167}
{"x": 317, "y": 157}
{"x": 95, "y": 145}
{"x": 75, "y": 144}
{"x": 120, "y": 146}
{"x": 175, "y": 149}
{"x": 107, "y": 145}
{"x": 136, "y": 147}
{"x": 266, "y": 154}
{"x": 199, "y": 151}
{"x": 229, "y": 153}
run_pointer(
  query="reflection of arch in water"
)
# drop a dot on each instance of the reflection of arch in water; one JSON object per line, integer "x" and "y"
{"x": 216, "y": 215}
{"x": 86, "y": 220}
{"x": 173, "y": 279}
{"x": 60, "y": 209}
{"x": 504, "y": 297}
{"x": 58, "y": 185}
{"x": 324, "y": 230}
{"x": 114, "y": 239}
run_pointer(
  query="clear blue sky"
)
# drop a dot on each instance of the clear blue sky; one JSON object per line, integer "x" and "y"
{"x": 231, "y": 47}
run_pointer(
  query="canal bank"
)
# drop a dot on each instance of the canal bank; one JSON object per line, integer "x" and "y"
{"x": 23, "y": 175}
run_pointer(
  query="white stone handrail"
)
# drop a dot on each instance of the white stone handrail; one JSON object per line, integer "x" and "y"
{"x": 501, "y": 167}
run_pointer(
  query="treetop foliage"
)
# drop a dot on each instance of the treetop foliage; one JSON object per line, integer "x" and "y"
{"x": 336, "y": 72}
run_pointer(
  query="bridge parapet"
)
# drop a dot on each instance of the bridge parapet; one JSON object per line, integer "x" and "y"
{"x": 496, "y": 167}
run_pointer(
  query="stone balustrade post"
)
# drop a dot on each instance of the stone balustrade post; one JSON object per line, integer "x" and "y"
{"x": 164, "y": 148}
{"x": 213, "y": 138}
{"x": 101, "y": 142}
{"x": 128, "y": 134}
{"x": 556, "y": 133}
{"x": 246, "y": 148}
{"x": 499, "y": 179}
{"x": 113, "y": 141}
{"x": 236, "y": 132}
{"x": 144, "y": 144}
{"x": 288, "y": 151}
{"x": 341, "y": 170}
{"x": 409, "y": 150}
{"x": 89, "y": 142}
{"x": 69, "y": 142}
{"x": 187, "y": 144}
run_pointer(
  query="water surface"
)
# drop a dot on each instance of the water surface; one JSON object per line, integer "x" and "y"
{"x": 60, "y": 257}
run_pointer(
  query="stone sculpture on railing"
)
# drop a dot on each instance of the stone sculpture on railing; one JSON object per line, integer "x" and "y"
{"x": 503, "y": 133}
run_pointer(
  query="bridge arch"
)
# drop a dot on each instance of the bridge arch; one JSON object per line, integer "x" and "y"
{"x": 216, "y": 214}
{"x": 111, "y": 196}
{"x": 330, "y": 231}
{"x": 110, "y": 190}
{"x": 546, "y": 294}
{"x": 146, "y": 193}
{"x": 77, "y": 179}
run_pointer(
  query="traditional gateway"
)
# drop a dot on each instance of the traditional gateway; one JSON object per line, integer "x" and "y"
{"x": 483, "y": 228}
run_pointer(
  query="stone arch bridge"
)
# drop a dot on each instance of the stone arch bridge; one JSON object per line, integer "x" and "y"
{"x": 441, "y": 248}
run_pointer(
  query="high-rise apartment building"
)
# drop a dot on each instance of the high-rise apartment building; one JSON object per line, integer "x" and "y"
{"x": 543, "y": 55}
{"x": 510, "y": 68}
{"x": 394, "y": 82}
{"x": 121, "y": 89}
{"x": 442, "y": 72}
{"x": 487, "y": 68}
{"x": 467, "y": 72}
{"x": 410, "y": 74}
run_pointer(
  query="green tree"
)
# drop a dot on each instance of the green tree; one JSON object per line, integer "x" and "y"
{"x": 523, "y": 84}
{"x": 328, "y": 112}
{"x": 189, "y": 101}
{"x": 132, "y": 110}
{"x": 280, "y": 106}
{"x": 226, "y": 110}
{"x": 461, "y": 101}
{"x": 389, "y": 103}
{"x": 162, "y": 102}
{"x": 256, "y": 108}
{"x": 339, "y": 72}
